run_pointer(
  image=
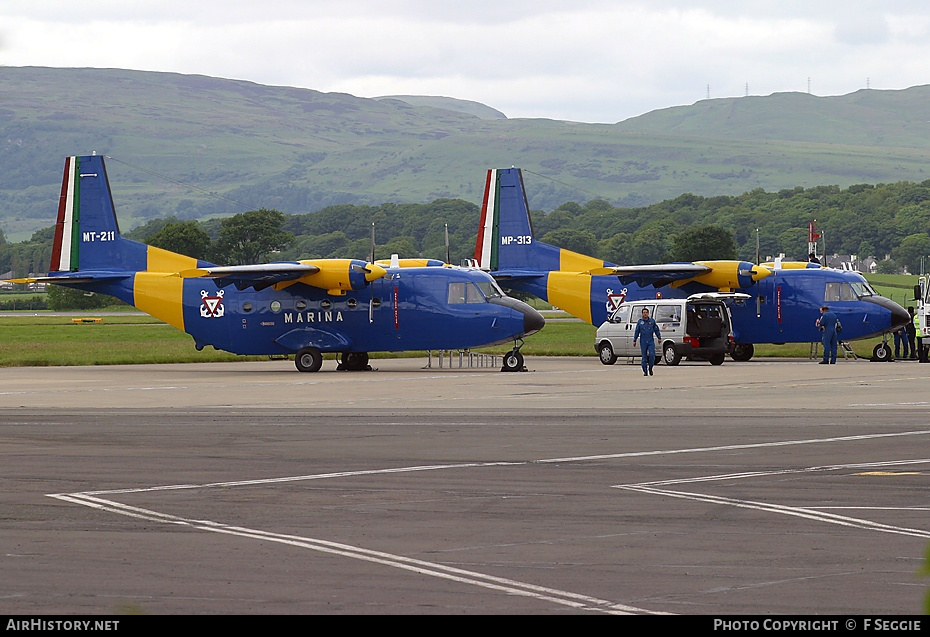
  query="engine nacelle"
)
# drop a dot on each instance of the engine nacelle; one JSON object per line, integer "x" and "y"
{"x": 727, "y": 276}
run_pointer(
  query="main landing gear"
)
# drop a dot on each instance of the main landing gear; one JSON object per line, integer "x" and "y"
{"x": 310, "y": 359}
{"x": 742, "y": 352}
{"x": 354, "y": 362}
{"x": 513, "y": 360}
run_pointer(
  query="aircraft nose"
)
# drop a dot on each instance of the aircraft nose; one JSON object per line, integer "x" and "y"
{"x": 899, "y": 316}
{"x": 533, "y": 321}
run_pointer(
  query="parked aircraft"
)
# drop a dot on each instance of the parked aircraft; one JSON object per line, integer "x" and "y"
{"x": 786, "y": 297}
{"x": 304, "y": 308}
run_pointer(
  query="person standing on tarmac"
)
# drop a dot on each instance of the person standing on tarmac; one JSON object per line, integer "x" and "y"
{"x": 921, "y": 354}
{"x": 827, "y": 324}
{"x": 646, "y": 328}
{"x": 911, "y": 329}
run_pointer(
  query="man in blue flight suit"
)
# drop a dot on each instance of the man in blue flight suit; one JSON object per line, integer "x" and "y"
{"x": 827, "y": 324}
{"x": 646, "y": 328}
{"x": 900, "y": 337}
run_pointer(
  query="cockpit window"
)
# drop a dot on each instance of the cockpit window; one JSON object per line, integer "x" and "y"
{"x": 863, "y": 289}
{"x": 490, "y": 289}
{"x": 839, "y": 291}
{"x": 461, "y": 292}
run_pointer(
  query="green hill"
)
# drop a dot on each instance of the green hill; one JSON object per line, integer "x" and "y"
{"x": 197, "y": 147}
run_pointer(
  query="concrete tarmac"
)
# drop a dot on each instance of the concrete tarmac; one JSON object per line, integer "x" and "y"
{"x": 767, "y": 487}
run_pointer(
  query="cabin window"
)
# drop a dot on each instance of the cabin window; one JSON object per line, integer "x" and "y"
{"x": 461, "y": 292}
{"x": 666, "y": 314}
{"x": 621, "y": 314}
{"x": 300, "y": 305}
{"x": 839, "y": 291}
{"x": 638, "y": 312}
{"x": 247, "y": 307}
{"x": 276, "y": 306}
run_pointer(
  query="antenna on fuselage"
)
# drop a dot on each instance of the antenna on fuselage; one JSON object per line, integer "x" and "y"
{"x": 448, "y": 258}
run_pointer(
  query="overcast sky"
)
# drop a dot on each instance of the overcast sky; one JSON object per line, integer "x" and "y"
{"x": 581, "y": 60}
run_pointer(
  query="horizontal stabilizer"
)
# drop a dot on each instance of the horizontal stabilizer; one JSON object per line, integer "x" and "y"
{"x": 505, "y": 275}
{"x": 83, "y": 277}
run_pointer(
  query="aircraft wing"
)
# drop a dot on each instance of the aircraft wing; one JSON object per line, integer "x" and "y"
{"x": 658, "y": 275}
{"x": 723, "y": 275}
{"x": 259, "y": 276}
{"x": 336, "y": 276}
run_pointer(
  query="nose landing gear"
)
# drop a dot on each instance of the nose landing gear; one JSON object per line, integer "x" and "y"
{"x": 513, "y": 360}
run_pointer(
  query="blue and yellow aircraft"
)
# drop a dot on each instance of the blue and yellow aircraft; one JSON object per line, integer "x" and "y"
{"x": 300, "y": 308}
{"x": 786, "y": 297}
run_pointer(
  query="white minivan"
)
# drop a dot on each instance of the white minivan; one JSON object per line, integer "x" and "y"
{"x": 698, "y": 327}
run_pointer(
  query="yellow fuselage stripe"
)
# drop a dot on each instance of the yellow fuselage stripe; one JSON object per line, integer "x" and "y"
{"x": 569, "y": 288}
{"x": 159, "y": 291}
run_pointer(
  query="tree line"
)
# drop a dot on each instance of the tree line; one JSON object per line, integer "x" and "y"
{"x": 888, "y": 221}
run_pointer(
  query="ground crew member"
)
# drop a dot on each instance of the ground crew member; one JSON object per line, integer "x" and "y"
{"x": 921, "y": 353}
{"x": 910, "y": 328}
{"x": 827, "y": 324}
{"x": 646, "y": 328}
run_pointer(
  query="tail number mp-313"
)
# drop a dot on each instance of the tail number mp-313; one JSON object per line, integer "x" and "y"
{"x": 520, "y": 240}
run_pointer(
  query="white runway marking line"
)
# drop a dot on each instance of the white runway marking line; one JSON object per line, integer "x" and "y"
{"x": 91, "y": 499}
{"x": 511, "y": 587}
{"x": 810, "y": 513}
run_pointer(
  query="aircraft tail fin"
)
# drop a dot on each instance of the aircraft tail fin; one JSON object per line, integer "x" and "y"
{"x": 87, "y": 240}
{"x": 89, "y": 252}
{"x": 505, "y": 234}
{"x": 87, "y": 236}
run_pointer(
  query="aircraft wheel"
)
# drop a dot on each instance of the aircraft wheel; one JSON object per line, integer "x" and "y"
{"x": 513, "y": 361}
{"x": 717, "y": 359}
{"x": 355, "y": 361}
{"x": 308, "y": 359}
{"x": 606, "y": 353}
{"x": 882, "y": 353}
{"x": 742, "y": 352}
{"x": 670, "y": 355}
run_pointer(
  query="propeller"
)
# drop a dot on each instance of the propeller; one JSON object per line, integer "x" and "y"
{"x": 758, "y": 261}
{"x": 371, "y": 292}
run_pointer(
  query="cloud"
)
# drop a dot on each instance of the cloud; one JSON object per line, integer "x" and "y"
{"x": 589, "y": 60}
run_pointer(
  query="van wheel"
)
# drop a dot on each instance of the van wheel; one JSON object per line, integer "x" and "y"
{"x": 742, "y": 352}
{"x": 670, "y": 355}
{"x": 716, "y": 359}
{"x": 606, "y": 353}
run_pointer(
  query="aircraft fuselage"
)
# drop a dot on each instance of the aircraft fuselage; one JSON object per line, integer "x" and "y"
{"x": 784, "y": 307}
{"x": 409, "y": 309}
